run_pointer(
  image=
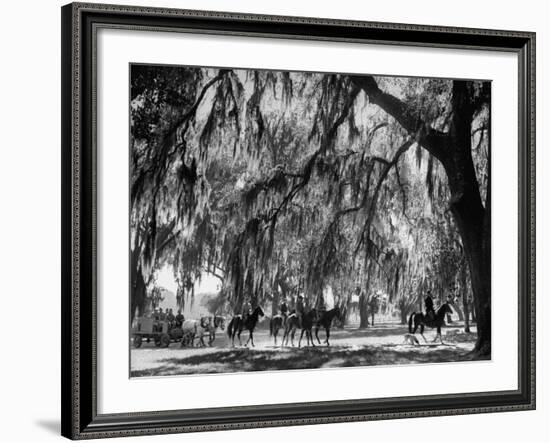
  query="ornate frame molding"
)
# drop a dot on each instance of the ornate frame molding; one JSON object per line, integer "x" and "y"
{"x": 79, "y": 391}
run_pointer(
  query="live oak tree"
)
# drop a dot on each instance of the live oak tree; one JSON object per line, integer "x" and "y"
{"x": 279, "y": 183}
{"x": 452, "y": 147}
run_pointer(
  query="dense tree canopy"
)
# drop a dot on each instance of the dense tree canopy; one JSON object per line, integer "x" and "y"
{"x": 284, "y": 182}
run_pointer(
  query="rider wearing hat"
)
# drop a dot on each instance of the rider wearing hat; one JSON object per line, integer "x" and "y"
{"x": 300, "y": 308}
{"x": 429, "y": 303}
{"x": 247, "y": 308}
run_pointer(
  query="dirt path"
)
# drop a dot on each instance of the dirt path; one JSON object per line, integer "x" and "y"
{"x": 381, "y": 345}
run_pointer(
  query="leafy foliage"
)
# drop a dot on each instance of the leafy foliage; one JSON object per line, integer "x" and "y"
{"x": 284, "y": 182}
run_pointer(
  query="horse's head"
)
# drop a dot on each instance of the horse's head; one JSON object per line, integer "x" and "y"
{"x": 259, "y": 311}
{"x": 338, "y": 313}
{"x": 447, "y": 308}
{"x": 205, "y": 321}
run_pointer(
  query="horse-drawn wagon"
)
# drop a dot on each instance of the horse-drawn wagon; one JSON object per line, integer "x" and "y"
{"x": 159, "y": 331}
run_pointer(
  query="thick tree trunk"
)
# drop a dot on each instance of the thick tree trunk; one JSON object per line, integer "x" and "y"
{"x": 453, "y": 149}
{"x": 459, "y": 312}
{"x": 363, "y": 312}
{"x": 472, "y": 232}
{"x": 465, "y": 301}
{"x": 403, "y": 314}
{"x": 473, "y": 221}
{"x": 275, "y": 303}
{"x": 138, "y": 295}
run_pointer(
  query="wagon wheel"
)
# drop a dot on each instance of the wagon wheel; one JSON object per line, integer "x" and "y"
{"x": 164, "y": 340}
{"x": 157, "y": 341}
{"x": 138, "y": 339}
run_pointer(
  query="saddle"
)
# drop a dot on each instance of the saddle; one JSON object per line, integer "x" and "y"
{"x": 429, "y": 317}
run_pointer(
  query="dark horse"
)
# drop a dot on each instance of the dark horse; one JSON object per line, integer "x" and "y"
{"x": 307, "y": 324}
{"x": 277, "y": 322}
{"x": 325, "y": 321}
{"x": 238, "y": 323}
{"x": 421, "y": 320}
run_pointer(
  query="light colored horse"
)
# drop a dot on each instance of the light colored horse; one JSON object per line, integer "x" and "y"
{"x": 194, "y": 329}
{"x": 212, "y": 324}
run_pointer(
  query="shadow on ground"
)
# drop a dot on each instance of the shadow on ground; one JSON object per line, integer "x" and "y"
{"x": 266, "y": 359}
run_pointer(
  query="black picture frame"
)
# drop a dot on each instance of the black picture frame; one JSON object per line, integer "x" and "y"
{"x": 79, "y": 172}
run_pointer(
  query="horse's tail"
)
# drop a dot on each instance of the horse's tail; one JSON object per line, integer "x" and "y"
{"x": 230, "y": 327}
{"x": 411, "y": 322}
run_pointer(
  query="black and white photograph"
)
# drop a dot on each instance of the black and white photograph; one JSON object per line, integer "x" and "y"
{"x": 300, "y": 220}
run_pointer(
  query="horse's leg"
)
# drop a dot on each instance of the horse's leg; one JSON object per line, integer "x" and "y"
{"x": 252, "y": 337}
{"x": 439, "y": 334}
{"x": 275, "y": 336}
{"x": 328, "y": 335}
{"x": 317, "y": 333}
{"x": 300, "y": 341}
{"x": 292, "y": 336}
{"x": 239, "y": 337}
{"x": 422, "y": 332}
{"x": 311, "y": 336}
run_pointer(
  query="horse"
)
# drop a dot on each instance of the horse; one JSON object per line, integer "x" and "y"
{"x": 277, "y": 322}
{"x": 325, "y": 321}
{"x": 307, "y": 325}
{"x": 292, "y": 322}
{"x": 193, "y": 329}
{"x": 438, "y": 321}
{"x": 212, "y": 324}
{"x": 238, "y": 323}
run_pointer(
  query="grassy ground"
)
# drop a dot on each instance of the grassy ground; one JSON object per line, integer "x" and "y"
{"x": 382, "y": 345}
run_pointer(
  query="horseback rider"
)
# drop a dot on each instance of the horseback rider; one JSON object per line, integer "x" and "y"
{"x": 247, "y": 308}
{"x": 284, "y": 308}
{"x": 429, "y": 303}
{"x": 299, "y": 308}
{"x": 170, "y": 318}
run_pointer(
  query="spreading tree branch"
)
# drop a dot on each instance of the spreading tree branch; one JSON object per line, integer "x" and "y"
{"x": 408, "y": 117}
